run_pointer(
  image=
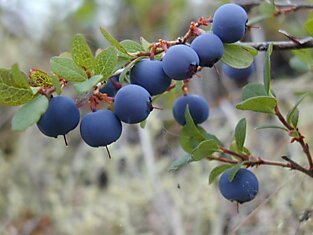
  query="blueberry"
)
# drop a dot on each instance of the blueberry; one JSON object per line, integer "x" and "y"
{"x": 109, "y": 87}
{"x": 209, "y": 48}
{"x": 180, "y": 62}
{"x": 229, "y": 22}
{"x": 243, "y": 188}
{"x": 100, "y": 128}
{"x": 150, "y": 75}
{"x": 61, "y": 117}
{"x": 238, "y": 74}
{"x": 132, "y": 104}
{"x": 198, "y": 108}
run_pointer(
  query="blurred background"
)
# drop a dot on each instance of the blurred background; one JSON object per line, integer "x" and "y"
{"x": 49, "y": 189}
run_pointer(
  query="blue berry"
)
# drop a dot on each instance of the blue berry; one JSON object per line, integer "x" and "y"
{"x": 243, "y": 188}
{"x": 180, "y": 62}
{"x": 229, "y": 22}
{"x": 209, "y": 48}
{"x": 198, "y": 108}
{"x": 100, "y": 128}
{"x": 109, "y": 88}
{"x": 61, "y": 117}
{"x": 150, "y": 75}
{"x": 132, "y": 104}
{"x": 238, "y": 74}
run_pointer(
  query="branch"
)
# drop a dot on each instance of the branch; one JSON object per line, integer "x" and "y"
{"x": 294, "y": 6}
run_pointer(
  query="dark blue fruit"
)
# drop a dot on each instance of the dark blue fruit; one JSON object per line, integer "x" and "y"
{"x": 100, "y": 128}
{"x": 132, "y": 104}
{"x": 150, "y": 75}
{"x": 198, "y": 108}
{"x": 243, "y": 188}
{"x": 209, "y": 48}
{"x": 229, "y": 22}
{"x": 180, "y": 62}
{"x": 109, "y": 88}
{"x": 238, "y": 74}
{"x": 61, "y": 117}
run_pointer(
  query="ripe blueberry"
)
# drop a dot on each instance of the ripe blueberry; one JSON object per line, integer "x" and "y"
{"x": 209, "y": 48}
{"x": 61, "y": 117}
{"x": 243, "y": 188}
{"x": 180, "y": 62}
{"x": 229, "y": 22}
{"x": 198, "y": 108}
{"x": 100, "y": 128}
{"x": 110, "y": 87}
{"x": 238, "y": 74}
{"x": 132, "y": 104}
{"x": 150, "y": 75}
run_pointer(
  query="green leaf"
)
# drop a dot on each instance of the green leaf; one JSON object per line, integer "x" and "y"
{"x": 240, "y": 134}
{"x": 30, "y": 113}
{"x": 190, "y": 138}
{"x": 217, "y": 171}
{"x": 89, "y": 84}
{"x": 39, "y": 78}
{"x": 106, "y": 61}
{"x": 234, "y": 171}
{"x": 113, "y": 41}
{"x": 145, "y": 44}
{"x": 293, "y": 114}
{"x": 270, "y": 126}
{"x": 253, "y": 90}
{"x": 180, "y": 162}
{"x": 308, "y": 26}
{"x": 263, "y": 104}
{"x": 19, "y": 77}
{"x": 13, "y": 92}
{"x": 131, "y": 46}
{"x": 267, "y": 70}
{"x": 82, "y": 54}
{"x": 305, "y": 55}
{"x": 267, "y": 9}
{"x": 67, "y": 69}
{"x": 56, "y": 83}
{"x": 237, "y": 56}
{"x": 128, "y": 68}
{"x": 205, "y": 149}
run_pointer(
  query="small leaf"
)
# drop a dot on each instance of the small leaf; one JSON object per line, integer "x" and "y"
{"x": 13, "y": 92}
{"x": 308, "y": 26}
{"x": 82, "y": 54}
{"x": 145, "y": 44}
{"x": 106, "y": 61}
{"x": 240, "y": 134}
{"x": 205, "y": 149}
{"x": 253, "y": 90}
{"x": 263, "y": 104}
{"x": 270, "y": 126}
{"x": 234, "y": 171}
{"x": 237, "y": 56}
{"x": 267, "y": 9}
{"x": 190, "y": 138}
{"x": 131, "y": 46}
{"x": 39, "y": 78}
{"x": 87, "y": 85}
{"x": 19, "y": 77}
{"x": 180, "y": 162}
{"x": 293, "y": 114}
{"x": 128, "y": 68}
{"x": 304, "y": 55}
{"x": 113, "y": 41}
{"x": 30, "y": 113}
{"x": 67, "y": 69}
{"x": 267, "y": 70}
{"x": 56, "y": 83}
{"x": 217, "y": 171}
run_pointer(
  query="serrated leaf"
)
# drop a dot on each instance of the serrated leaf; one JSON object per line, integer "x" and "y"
{"x": 270, "y": 126}
{"x": 30, "y": 113}
{"x": 106, "y": 61}
{"x": 145, "y": 44}
{"x": 240, "y": 134}
{"x": 13, "y": 92}
{"x": 112, "y": 40}
{"x": 308, "y": 26}
{"x": 267, "y": 69}
{"x": 234, "y": 171}
{"x": 217, "y": 171}
{"x": 56, "y": 83}
{"x": 253, "y": 90}
{"x": 67, "y": 69}
{"x": 293, "y": 114}
{"x": 82, "y": 54}
{"x": 19, "y": 77}
{"x": 180, "y": 162}
{"x": 131, "y": 46}
{"x": 39, "y": 78}
{"x": 205, "y": 149}
{"x": 84, "y": 87}
{"x": 237, "y": 56}
{"x": 263, "y": 104}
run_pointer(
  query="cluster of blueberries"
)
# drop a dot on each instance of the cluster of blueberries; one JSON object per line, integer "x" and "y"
{"x": 132, "y": 102}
